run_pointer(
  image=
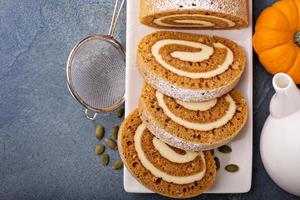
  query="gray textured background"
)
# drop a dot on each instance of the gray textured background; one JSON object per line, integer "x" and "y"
{"x": 46, "y": 145}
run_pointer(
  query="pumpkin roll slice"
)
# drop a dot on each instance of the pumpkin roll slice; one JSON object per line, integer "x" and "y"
{"x": 190, "y": 67}
{"x": 161, "y": 168}
{"x": 191, "y": 14}
{"x": 193, "y": 126}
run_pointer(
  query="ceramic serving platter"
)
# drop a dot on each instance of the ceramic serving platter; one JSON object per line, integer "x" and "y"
{"x": 241, "y": 155}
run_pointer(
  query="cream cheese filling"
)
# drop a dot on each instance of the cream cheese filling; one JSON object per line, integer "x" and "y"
{"x": 192, "y": 22}
{"x": 198, "y": 126}
{"x": 198, "y": 56}
{"x": 198, "y": 106}
{"x": 168, "y": 153}
{"x": 205, "y": 53}
{"x": 157, "y": 172}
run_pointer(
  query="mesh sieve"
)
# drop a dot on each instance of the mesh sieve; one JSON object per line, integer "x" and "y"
{"x": 96, "y": 71}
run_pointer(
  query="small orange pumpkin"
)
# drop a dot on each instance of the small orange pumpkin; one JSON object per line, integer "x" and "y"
{"x": 277, "y": 38}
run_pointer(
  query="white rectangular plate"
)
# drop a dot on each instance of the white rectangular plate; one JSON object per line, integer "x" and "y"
{"x": 241, "y": 155}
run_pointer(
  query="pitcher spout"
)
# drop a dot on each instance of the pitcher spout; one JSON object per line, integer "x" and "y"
{"x": 286, "y": 100}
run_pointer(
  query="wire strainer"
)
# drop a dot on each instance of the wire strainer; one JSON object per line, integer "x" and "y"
{"x": 96, "y": 71}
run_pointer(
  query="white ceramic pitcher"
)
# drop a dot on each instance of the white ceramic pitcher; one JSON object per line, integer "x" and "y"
{"x": 280, "y": 137}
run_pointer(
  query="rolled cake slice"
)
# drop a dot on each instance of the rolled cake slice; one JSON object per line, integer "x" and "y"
{"x": 190, "y": 67}
{"x": 193, "y": 126}
{"x": 163, "y": 169}
{"x": 194, "y": 14}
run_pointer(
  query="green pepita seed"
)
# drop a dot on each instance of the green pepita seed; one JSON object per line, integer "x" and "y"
{"x": 111, "y": 143}
{"x": 120, "y": 112}
{"x": 232, "y": 168}
{"x": 212, "y": 152}
{"x": 225, "y": 149}
{"x": 99, "y": 149}
{"x": 99, "y": 132}
{"x": 105, "y": 159}
{"x": 117, "y": 165}
{"x": 114, "y": 132}
{"x": 217, "y": 161}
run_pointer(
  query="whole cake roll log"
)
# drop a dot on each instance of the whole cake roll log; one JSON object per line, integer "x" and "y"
{"x": 194, "y": 14}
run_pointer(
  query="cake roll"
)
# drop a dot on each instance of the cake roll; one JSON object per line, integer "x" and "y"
{"x": 161, "y": 168}
{"x": 190, "y": 67}
{"x": 193, "y": 126}
{"x": 194, "y": 14}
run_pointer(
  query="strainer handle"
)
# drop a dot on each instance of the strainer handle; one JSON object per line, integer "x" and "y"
{"x": 87, "y": 115}
{"x": 115, "y": 17}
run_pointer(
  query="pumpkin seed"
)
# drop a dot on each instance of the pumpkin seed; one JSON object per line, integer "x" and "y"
{"x": 120, "y": 112}
{"x": 212, "y": 152}
{"x": 99, "y": 149}
{"x": 225, "y": 149}
{"x": 111, "y": 143}
{"x": 117, "y": 165}
{"x": 105, "y": 159}
{"x": 232, "y": 168}
{"x": 99, "y": 132}
{"x": 114, "y": 132}
{"x": 217, "y": 161}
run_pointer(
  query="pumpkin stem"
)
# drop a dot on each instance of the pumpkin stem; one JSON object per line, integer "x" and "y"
{"x": 297, "y": 38}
